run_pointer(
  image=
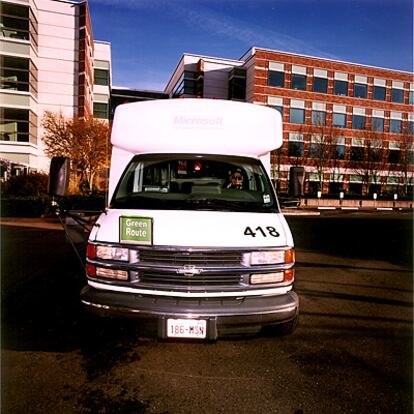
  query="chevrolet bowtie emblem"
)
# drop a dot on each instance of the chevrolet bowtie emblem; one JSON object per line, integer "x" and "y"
{"x": 188, "y": 270}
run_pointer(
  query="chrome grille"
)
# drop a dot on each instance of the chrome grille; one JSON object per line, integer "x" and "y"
{"x": 200, "y": 280}
{"x": 196, "y": 258}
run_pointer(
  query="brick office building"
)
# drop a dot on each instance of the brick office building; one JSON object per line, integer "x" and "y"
{"x": 350, "y": 126}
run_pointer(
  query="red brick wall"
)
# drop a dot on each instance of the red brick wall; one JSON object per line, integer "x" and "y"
{"x": 262, "y": 91}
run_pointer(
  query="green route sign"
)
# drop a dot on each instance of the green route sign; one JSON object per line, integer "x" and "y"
{"x": 135, "y": 230}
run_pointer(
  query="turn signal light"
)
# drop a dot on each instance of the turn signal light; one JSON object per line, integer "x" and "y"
{"x": 290, "y": 256}
{"x": 289, "y": 275}
{"x": 91, "y": 251}
{"x": 90, "y": 270}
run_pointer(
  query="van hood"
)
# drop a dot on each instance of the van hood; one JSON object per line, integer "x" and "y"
{"x": 192, "y": 228}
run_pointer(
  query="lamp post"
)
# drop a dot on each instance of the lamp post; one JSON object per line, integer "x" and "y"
{"x": 341, "y": 197}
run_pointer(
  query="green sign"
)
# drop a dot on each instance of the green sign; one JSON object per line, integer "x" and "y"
{"x": 136, "y": 230}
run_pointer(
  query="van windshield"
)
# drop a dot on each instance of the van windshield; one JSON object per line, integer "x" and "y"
{"x": 195, "y": 182}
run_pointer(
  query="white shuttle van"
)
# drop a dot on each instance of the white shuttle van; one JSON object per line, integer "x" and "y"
{"x": 193, "y": 236}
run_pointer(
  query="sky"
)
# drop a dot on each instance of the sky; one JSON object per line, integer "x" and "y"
{"x": 149, "y": 37}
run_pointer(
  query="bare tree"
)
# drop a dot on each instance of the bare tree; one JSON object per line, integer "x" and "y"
{"x": 277, "y": 162}
{"x": 405, "y": 167}
{"x": 323, "y": 140}
{"x": 57, "y": 136}
{"x": 372, "y": 161}
{"x": 84, "y": 140}
{"x": 320, "y": 154}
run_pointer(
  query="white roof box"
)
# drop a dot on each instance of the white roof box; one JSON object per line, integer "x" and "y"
{"x": 206, "y": 126}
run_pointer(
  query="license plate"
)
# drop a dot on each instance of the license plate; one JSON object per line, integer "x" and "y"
{"x": 186, "y": 328}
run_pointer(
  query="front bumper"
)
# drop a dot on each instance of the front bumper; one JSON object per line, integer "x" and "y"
{"x": 224, "y": 316}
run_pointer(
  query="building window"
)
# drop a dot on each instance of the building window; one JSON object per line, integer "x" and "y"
{"x": 338, "y": 149}
{"x": 358, "y": 121}
{"x": 378, "y": 124}
{"x": 379, "y": 93}
{"x": 316, "y": 147}
{"x": 237, "y": 84}
{"x": 357, "y": 154}
{"x": 313, "y": 183}
{"x": 298, "y": 82}
{"x": 335, "y": 187}
{"x": 101, "y": 77}
{"x": 410, "y": 156}
{"x": 276, "y": 78}
{"x": 14, "y": 21}
{"x": 296, "y": 146}
{"x": 318, "y": 118}
{"x": 297, "y": 116}
{"x": 357, "y": 150}
{"x": 392, "y": 185}
{"x": 395, "y": 126}
{"x": 411, "y": 97}
{"x": 336, "y": 183}
{"x": 339, "y": 120}
{"x": 394, "y": 156}
{"x": 187, "y": 84}
{"x": 410, "y": 127}
{"x": 355, "y": 185}
{"x": 100, "y": 110}
{"x": 340, "y": 87}
{"x": 14, "y": 73}
{"x": 320, "y": 85}
{"x": 394, "y": 152}
{"x": 374, "y": 186}
{"x": 355, "y": 189}
{"x": 397, "y": 95}
{"x": 14, "y": 125}
{"x": 375, "y": 151}
{"x": 360, "y": 90}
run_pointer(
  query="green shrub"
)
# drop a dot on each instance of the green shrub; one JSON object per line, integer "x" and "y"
{"x": 33, "y": 184}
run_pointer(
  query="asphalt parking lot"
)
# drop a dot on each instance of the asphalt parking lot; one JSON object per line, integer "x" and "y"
{"x": 351, "y": 353}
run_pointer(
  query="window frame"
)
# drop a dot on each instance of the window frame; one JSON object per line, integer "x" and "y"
{"x": 339, "y": 84}
{"x": 299, "y": 80}
{"x": 374, "y": 122}
{"x": 339, "y": 114}
{"x": 393, "y": 124}
{"x": 318, "y": 79}
{"x": 358, "y": 122}
{"x": 97, "y": 113}
{"x": 291, "y": 115}
{"x": 365, "y": 88}
{"x": 314, "y": 119}
{"x": 273, "y": 75}
{"x": 101, "y": 80}
{"x": 376, "y": 89}
{"x": 400, "y": 95}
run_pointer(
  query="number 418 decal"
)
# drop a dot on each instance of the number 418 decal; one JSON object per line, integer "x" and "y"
{"x": 271, "y": 231}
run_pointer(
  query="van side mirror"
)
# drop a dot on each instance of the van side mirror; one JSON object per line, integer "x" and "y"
{"x": 59, "y": 176}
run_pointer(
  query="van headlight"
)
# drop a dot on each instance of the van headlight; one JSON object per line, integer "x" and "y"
{"x": 269, "y": 257}
{"x": 112, "y": 253}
